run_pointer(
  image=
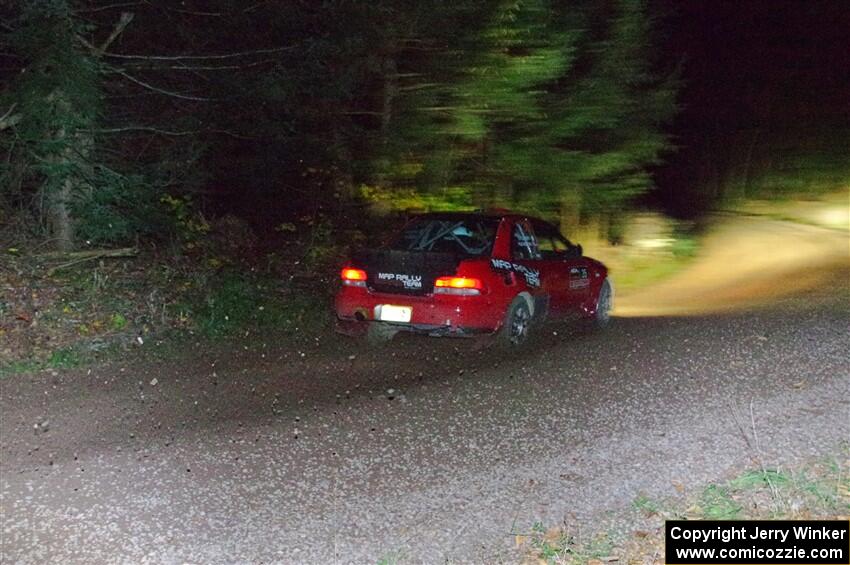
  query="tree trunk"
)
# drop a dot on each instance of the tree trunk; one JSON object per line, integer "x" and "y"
{"x": 72, "y": 160}
{"x": 59, "y": 215}
{"x": 59, "y": 192}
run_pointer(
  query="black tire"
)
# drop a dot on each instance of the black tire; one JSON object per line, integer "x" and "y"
{"x": 604, "y": 304}
{"x": 515, "y": 330}
{"x": 379, "y": 334}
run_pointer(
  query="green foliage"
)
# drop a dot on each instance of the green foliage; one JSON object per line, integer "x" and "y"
{"x": 820, "y": 490}
{"x": 817, "y": 488}
{"x": 392, "y": 558}
{"x": 232, "y": 301}
{"x": 717, "y": 504}
{"x": 59, "y": 164}
{"x": 65, "y": 358}
{"x": 119, "y": 322}
{"x": 57, "y": 98}
{"x": 119, "y": 208}
{"x": 449, "y": 199}
{"x": 559, "y": 546}
{"x": 59, "y": 89}
{"x": 759, "y": 479}
{"x": 547, "y": 549}
{"x": 322, "y": 248}
{"x": 189, "y": 225}
{"x": 530, "y": 104}
{"x": 807, "y": 172}
{"x": 645, "y": 504}
{"x": 548, "y": 102}
{"x": 685, "y": 245}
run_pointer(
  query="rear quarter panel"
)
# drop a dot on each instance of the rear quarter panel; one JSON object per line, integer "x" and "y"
{"x": 497, "y": 295}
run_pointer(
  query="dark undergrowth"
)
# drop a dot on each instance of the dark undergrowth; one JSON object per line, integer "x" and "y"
{"x": 58, "y": 313}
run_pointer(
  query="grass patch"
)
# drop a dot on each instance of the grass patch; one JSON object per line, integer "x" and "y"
{"x": 20, "y": 366}
{"x": 717, "y": 504}
{"x": 645, "y": 504}
{"x": 392, "y": 558}
{"x": 232, "y": 302}
{"x": 639, "y": 273}
{"x": 760, "y": 479}
{"x": 641, "y": 270}
{"x": 64, "y": 358}
{"x": 557, "y": 545}
{"x": 818, "y": 490}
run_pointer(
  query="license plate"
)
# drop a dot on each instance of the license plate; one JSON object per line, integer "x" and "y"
{"x": 390, "y": 313}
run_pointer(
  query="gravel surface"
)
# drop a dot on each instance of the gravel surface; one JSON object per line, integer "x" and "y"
{"x": 429, "y": 451}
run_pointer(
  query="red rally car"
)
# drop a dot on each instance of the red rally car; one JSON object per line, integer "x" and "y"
{"x": 470, "y": 273}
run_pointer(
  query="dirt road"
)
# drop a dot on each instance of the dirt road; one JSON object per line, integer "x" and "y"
{"x": 431, "y": 451}
{"x": 744, "y": 262}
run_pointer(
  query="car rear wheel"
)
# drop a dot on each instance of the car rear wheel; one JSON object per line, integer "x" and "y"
{"x": 380, "y": 333}
{"x": 517, "y": 324}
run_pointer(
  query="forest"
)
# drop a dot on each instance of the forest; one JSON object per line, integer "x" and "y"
{"x": 118, "y": 119}
{"x": 215, "y": 139}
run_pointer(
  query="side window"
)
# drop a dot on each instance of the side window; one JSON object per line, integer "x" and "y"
{"x": 523, "y": 242}
{"x": 552, "y": 244}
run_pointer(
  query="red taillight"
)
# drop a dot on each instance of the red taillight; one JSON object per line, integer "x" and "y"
{"x": 457, "y": 285}
{"x": 353, "y": 277}
{"x": 457, "y": 282}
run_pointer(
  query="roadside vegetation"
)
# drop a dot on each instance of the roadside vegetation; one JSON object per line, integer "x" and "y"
{"x": 60, "y": 315}
{"x": 819, "y": 489}
{"x": 649, "y": 261}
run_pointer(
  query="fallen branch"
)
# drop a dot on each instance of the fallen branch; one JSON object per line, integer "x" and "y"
{"x": 91, "y": 253}
{"x": 78, "y": 257}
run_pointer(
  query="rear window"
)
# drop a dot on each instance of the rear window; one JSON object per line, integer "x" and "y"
{"x": 462, "y": 236}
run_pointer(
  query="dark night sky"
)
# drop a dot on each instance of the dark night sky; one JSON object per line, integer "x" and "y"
{"x": 783, "y": 67}
{"x": 796, "y": 54}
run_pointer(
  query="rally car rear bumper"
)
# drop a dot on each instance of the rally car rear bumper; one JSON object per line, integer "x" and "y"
{"x": 358, "y": 329}
{"x": 431, "y": 314}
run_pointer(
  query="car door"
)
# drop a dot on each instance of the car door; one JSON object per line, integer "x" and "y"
{"x": 566, "y": 269}
{"x": 524, "y": 253}
{"x": 527, "y": 263}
